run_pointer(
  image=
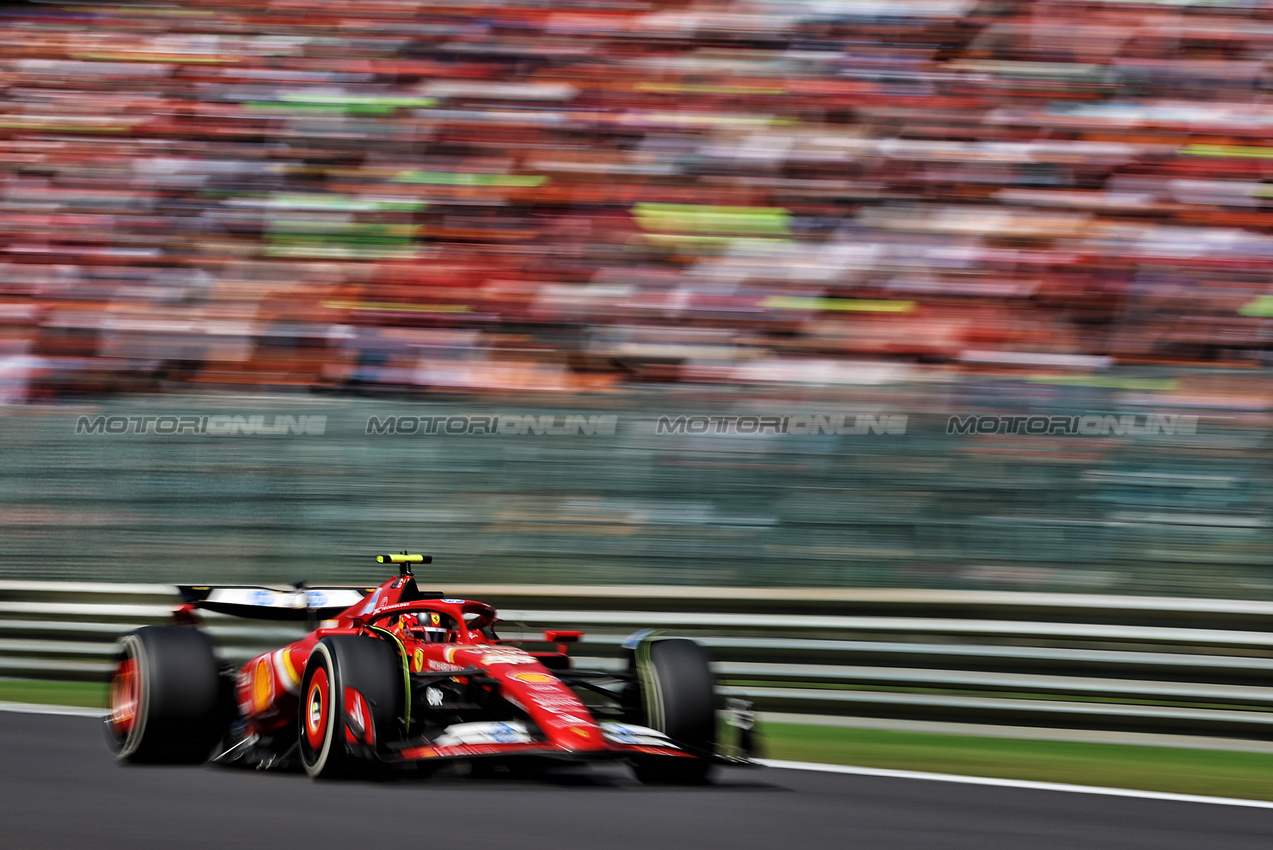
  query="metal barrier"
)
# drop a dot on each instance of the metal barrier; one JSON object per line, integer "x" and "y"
{"x": 1188, "y": 666}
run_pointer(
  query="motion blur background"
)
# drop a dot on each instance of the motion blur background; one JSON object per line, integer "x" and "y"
{"x": 917, "y": 208}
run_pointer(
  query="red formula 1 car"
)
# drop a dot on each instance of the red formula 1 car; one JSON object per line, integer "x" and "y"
{"x": 403, "y": 677}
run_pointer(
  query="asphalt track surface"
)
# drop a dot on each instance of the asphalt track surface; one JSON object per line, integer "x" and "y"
{"x": 61, "y": 789}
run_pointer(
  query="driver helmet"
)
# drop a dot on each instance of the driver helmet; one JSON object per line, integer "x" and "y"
{"x": 427, "y": 626}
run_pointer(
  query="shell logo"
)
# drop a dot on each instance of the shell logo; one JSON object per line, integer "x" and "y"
{"x": 262, "y": 685}
{"x": 533, "y": 678}
{"x": 418, "y": 660}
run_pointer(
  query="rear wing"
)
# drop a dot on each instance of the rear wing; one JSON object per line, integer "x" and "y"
{"x": 267, "y": 603}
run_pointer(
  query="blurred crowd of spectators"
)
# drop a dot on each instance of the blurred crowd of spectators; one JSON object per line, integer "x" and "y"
{"x": 563, "y": 195}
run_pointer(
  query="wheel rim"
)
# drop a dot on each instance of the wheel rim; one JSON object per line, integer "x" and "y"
{"x": 316, "y": 710}
{"x": 125, "y": 696}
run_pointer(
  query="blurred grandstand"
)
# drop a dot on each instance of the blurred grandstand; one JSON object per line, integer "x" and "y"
{"x": 925, "y": 206}
{"x": 561, "y": 196}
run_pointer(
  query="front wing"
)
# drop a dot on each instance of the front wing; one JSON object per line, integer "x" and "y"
{"x": 454, "y": 751}
{"x": 511, "y": 738}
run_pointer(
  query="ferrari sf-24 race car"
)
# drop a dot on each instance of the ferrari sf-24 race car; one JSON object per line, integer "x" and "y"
{"x": 399, "y": 676}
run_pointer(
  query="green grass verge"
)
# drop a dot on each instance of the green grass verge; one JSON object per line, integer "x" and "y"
{"x": 990, "y": 692}
{"x": 83, "y": 694}
{"x": 1183, "y": 771}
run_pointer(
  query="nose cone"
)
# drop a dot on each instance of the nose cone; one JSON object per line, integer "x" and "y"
{"x": 564, "y": 719}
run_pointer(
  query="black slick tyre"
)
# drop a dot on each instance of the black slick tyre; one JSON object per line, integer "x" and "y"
{"x": 676, "y": 694}
{"x": 370, "y": 667}
{"x": 166, "y": 697}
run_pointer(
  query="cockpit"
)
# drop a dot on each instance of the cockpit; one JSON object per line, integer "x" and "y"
{"x": 428, "y": 627}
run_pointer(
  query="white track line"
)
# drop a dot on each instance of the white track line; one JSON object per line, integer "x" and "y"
{"x": 63, "y": 710}
{"x": 1016, "y": 783}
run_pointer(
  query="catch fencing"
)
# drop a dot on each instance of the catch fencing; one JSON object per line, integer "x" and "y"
{"x": 233, "y": 489}
{"x": 1186, "y": 666}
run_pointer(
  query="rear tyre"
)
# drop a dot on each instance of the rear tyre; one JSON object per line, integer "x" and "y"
{"x": 166, "y": 697}
{"x": 338, "y": 734}
{"x": 676, "y": 694}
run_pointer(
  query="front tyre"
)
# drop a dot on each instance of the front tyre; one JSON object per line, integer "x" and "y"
{"x": 676, "y": 694}
{"x": 165, "y": 697}
{"x": 352, "y": 695}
